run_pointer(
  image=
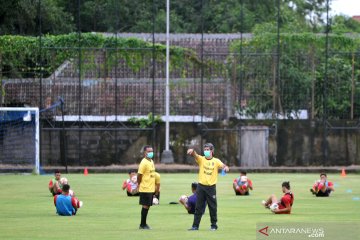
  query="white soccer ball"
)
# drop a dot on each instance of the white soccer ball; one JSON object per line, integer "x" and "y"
{"x": 71, "y": 193}
{"x": 63, "y": 180}
{"x": 184, "y": 198}
{"x": 81, "y": 204}
{"x": 134, "y": 179}
{"x": 155, "y": 201}
{"x": 274, "y": 206}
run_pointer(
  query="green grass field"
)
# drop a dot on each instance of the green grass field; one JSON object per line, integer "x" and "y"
{"x": 27, "y": 210}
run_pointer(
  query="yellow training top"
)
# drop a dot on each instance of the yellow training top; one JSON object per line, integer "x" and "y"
{"x": 208, "y": 169}
{"x": 157, "y": 178}
{"x": 147, "y": 169}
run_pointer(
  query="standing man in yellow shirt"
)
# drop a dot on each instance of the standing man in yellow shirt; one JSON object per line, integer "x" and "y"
{"x": 157, "y": 189}
{"x": 146, "y": 181}
{"x": 206, "y": 189}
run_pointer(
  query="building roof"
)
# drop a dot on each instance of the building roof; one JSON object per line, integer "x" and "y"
{"x": 356, "y": 18}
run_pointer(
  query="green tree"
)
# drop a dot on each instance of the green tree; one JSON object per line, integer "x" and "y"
{"x": 21, "y": 17}
{"x": 301, "y": 82}
{"x": 231, "y": 16}
{"x": 343, "y": 24}
{"x": 312, "y": 11}
{"x": 338, "y": 85}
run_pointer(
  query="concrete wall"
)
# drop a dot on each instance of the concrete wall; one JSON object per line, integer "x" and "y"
{"x": 290, "y": 143}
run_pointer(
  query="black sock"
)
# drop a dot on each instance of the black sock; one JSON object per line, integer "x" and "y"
{"x": 144, "y": 212}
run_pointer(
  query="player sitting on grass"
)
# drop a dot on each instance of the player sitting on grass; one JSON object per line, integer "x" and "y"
{"x": 65, "y": 204}
{"x": 284, "y": 205}
{"x": 64, "y": 181}
{"x": 322, "y": 187}
{"x": 190, "y": 202}
{"x": 242, "y": 184}
{"x": 55, "y": 185}
{"x": 131, "y": 184}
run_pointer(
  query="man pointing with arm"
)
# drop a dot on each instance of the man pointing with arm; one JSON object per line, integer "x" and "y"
{"x": 206, "y": 189}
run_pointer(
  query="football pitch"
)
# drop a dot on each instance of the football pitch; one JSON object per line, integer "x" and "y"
{"x": 27, "y": 210}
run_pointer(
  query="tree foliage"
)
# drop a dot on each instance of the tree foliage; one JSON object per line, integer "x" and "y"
{"x": 22, "y": 17}
{"x": 342, "y": 24}
{"x": 302, "y": 73}
{"x": 65, "y": 16}
{"x": 20, "y": 56}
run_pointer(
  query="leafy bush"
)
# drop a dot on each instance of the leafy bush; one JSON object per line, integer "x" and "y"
{"x": 24, "y": 56}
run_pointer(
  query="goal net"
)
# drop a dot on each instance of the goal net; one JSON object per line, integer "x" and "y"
{"x": 19, "y": 139}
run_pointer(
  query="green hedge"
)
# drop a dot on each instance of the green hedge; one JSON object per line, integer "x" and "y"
{"x": 23, "y": 56}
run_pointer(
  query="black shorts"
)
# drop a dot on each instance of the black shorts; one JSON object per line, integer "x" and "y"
{"x": 239, "y": 194}
{"x": 146, "y": 199}
{"x": 324, "y": 194}
{"x": 132, "y": 195}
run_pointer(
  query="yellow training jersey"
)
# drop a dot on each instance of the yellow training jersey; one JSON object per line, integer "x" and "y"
{"x": 208, "y": 170}
{"x": 157, "y": 178}
{"x": 147, "y": 170}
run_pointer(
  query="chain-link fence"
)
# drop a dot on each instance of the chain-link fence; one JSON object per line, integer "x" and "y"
{"x": 110, "y": 88}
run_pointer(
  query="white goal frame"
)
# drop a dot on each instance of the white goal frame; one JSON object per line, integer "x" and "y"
{"x": 37, "y": 130}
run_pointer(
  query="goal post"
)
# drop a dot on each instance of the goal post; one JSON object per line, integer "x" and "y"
{"x": 20, "y": 138}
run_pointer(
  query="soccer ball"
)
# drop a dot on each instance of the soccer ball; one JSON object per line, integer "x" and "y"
{"x": 81, "y": 204}
{"x": 184, "y": 198}
{"x": 134, "y": 179}
{"x": 63, "y": 180}
{"x": 243, "y": 179}
{"x": 155, "y": 201}
{"x": 274, "y": 206}
{"x": 71, "y": 193}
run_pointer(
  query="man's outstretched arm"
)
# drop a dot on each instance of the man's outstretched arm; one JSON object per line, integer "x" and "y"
{"x": 192, "y": 152}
